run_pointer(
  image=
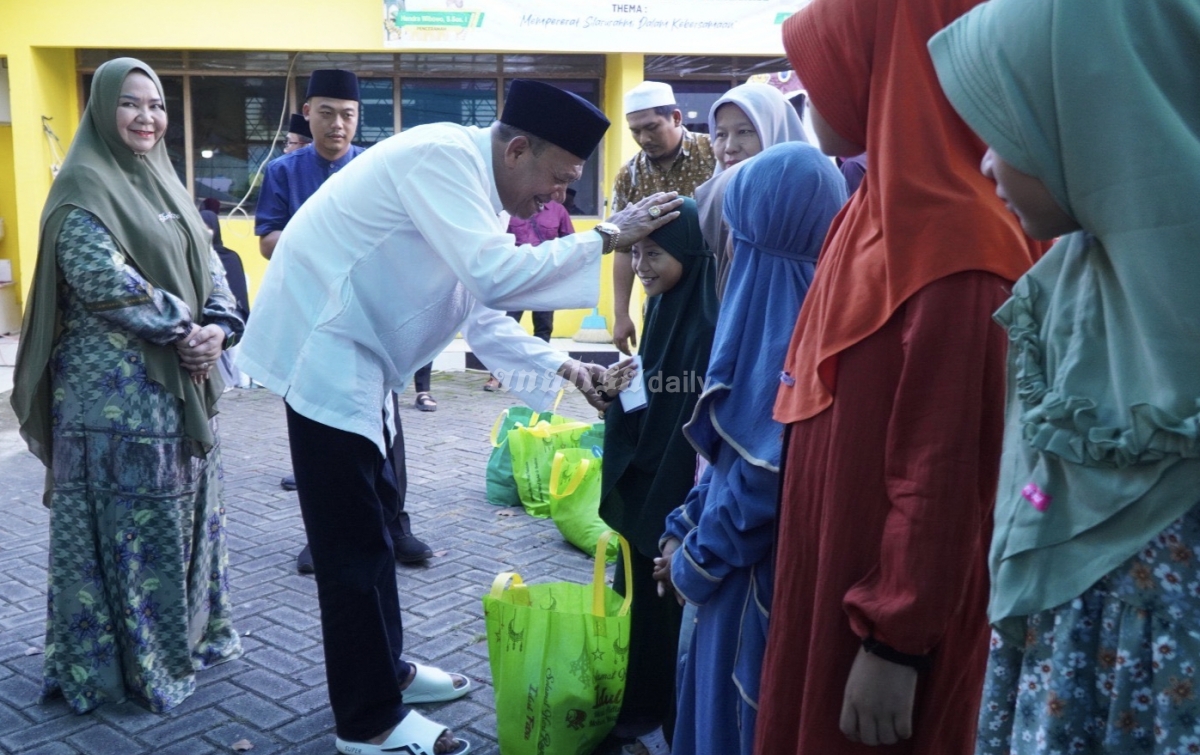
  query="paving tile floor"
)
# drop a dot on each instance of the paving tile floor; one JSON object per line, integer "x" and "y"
{"x": 275, "y": 696}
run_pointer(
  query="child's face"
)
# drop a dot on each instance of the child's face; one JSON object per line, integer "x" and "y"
{"x": 658, "y": 270}
{"x": 1027, "y": 198}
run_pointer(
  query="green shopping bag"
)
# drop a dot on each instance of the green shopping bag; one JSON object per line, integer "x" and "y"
{"x": 558, "y": 653}
{"x": 533, "y": 450}
{"x": 501, "y": 487}
{"x": 575, "y": 477}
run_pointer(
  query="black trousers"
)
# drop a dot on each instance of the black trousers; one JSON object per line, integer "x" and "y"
{"x": 420, "y": 383}
{"x": 400, "y": 525}
{"x": 348, "y": 496}
{"x": 653, "y": 647}
{"x": 543, "y": 323}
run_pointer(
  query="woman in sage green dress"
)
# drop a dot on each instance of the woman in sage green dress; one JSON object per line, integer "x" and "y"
{"x": 1095, "y": 559}
{"x": 115, "y": 393}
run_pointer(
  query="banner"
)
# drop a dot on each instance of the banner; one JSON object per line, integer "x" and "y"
{"x": 680, "y": 27}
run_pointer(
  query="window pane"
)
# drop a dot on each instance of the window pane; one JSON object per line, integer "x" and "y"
{"x": 442, "y": 64}
{"x": 159, "y": 60}
{"x": 173, "y": 92}
{"x": 467, "y": 102}
{"x": 173, "y": 139}
{"x": 360, "y": 63}
{"x": 589, "y": 197}
{"x": 235, "y": 121}
{"x": 554, "y": 65}
{"x": 377, "y": 120}
{"x": 711, "y": 66}
{"x": 695, "y": 98}
{"x": 236, "y": 61}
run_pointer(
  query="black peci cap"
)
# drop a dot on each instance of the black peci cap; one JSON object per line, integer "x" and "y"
{"x": 298, "y": 125}
{"x": 334, "y": 83}
{"x": 558, "y": 116}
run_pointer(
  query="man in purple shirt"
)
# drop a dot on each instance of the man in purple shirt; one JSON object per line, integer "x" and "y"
{"x": 550, "y": 222}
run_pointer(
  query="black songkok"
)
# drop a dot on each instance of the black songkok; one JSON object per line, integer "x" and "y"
{"x": 562, "y": 118}
{"x": 334, "y": 83}
{"x": 298, "y": 125}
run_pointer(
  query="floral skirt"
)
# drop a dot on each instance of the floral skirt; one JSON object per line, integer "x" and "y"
{"x": 1112, "y": 671}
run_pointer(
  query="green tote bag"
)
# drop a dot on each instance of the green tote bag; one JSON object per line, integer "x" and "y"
{"x": 501, "y": 487}
{"x": 533, "y": 450}
{"x": 575, "y": 477}
{"x": 558, "y": 652}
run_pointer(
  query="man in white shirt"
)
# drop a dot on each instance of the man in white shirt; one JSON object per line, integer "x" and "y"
{"x": 393, "y": 256}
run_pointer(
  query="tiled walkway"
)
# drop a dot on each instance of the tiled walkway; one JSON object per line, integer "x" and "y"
{"x": 275, "y": 696}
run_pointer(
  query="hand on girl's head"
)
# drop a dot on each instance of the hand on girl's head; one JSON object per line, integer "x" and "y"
{"x": 655, "y": 267}
{"x": 1028, "y": 198}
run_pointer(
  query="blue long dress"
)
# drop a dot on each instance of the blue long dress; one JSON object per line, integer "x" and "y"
{"x": 779, "y": 207}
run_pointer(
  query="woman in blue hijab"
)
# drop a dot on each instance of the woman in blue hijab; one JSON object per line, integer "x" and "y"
{"x": 779, "y": 207}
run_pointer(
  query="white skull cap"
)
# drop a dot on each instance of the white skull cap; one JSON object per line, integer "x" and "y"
{"x": 647, "y": 95}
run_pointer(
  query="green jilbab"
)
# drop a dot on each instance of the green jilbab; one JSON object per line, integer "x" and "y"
{"x": 649, "y": 466}
{"x": 1095, "y": 562}
{"x": 138, "y": 594}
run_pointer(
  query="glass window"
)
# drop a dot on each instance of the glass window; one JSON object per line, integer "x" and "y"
{"x": 159, "y": 60}
{"x": 445, "y": 64}
{"x": 377, "y": 120}
{"x": 588, "y": 197}
{"x": 579, "y": 66}
{"x": 695, "y": 98}
{"x": 361, "y": 63}
{"x": 657, "y": 67}
{"x": 173, "y": 92}
{"x": 240, "y": 102}
{"x": 467, "y": 102}
{"x": 234, "y": 121}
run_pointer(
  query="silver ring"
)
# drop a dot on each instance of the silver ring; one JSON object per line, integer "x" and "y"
{"x": 655, "y": 211}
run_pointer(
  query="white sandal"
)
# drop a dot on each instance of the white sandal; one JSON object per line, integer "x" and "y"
{"x": 414, "y": 735}
{"x": 432, "y": 685}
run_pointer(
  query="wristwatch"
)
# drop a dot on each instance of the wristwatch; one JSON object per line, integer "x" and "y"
{"x": 611, "y": 233}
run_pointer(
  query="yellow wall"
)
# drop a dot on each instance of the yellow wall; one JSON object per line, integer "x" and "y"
{"x": 8, "y": 199}
{"x": 39, "y": 40}
{"x": 42, "y": 82}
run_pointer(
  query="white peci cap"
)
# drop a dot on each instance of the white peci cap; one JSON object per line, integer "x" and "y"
{"x": 648, "y": 94}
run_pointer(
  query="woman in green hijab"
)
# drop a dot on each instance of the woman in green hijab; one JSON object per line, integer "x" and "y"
{"x": 115, "y": 393}
{"x": 1095, "y": 560}
{"x": 649, "y": 466}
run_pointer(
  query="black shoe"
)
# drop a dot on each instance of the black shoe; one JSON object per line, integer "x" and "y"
{"x": 304, "y": 563}
{"x": 288, "y": 483}
{"x": 410, "y": 550}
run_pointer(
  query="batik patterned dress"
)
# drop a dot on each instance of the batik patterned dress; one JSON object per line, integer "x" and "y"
{"x": 138, "y": 596}
{"x": 1112, "y": 671}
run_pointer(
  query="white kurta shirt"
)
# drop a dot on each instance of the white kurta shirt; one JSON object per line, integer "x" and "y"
{"x": 390, "y": 259}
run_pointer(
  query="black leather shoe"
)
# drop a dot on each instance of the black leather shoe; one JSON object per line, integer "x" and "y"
{"x": 288, "y": 483}
{"x": 410, "y": 550}
{"x": 304, "y": 563}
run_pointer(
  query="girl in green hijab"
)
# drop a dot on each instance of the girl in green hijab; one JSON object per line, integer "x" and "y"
{"x": 649, "y": 466}
{"x": 114, "y": 392}
{"x": 1094, "y": 562}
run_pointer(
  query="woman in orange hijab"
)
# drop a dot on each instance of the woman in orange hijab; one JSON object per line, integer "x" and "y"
{"x": 893, "y": 395}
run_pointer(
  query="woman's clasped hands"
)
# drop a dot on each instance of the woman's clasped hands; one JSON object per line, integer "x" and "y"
{"x": 200, "y": 349}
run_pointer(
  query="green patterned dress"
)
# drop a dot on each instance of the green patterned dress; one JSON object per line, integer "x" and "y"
{"x": 138, "y": 596}
{"x": 1114, "y": 671}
